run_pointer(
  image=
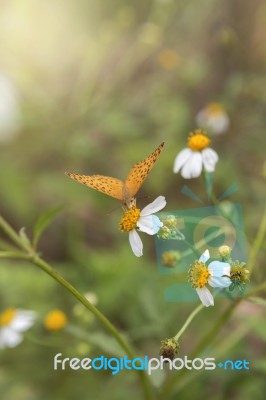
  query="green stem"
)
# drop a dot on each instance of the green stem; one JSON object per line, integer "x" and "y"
{"x": 257, "y": 242}
{"x": 32, "y": 257}
{"x": 12, "y": 234}
{"x": 11, "y": 254}
{"x": 188, "y": 321}
{"x": 195, "y": 251}
{"x": 83, "y": 300}
{"x": 192, "y": 316}
{"x": 220, "y": 322}
{"x": 169, "y": 385}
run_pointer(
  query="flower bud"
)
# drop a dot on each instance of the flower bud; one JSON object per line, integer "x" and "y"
{"x": 170, "y": 221}
{"x": 239, "y": 273}
{"x": 170, "y": 258}
{"x": 224, "y": 251}
{"x": 164, "y": 233}
{"x": 169, "y": 348}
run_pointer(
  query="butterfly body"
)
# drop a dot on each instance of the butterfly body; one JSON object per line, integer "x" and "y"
{"x": 123, "y": 191}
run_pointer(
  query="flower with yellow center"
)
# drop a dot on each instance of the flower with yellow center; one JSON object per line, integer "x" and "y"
{"x": 196, "y": 156}
{"x": 55, "y": 320}
{"x": 144, "y": 221}
{"x": 200, "y": 275}
{"x": 214, "y": 118}
{"x": 12, "y": 323}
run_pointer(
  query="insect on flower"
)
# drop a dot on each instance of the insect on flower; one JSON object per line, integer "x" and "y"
{"x": 143, "y": 220}
{"x": 124, "y": 191}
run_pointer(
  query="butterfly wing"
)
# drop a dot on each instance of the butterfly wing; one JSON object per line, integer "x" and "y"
{"x": 139, "y": 173}
{"x": 110, "y": 186}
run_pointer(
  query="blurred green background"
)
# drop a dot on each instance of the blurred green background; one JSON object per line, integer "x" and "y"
{"x": 94, "y": 87}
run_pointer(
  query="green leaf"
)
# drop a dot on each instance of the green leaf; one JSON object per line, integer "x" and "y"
{"x": 44, "y": 221}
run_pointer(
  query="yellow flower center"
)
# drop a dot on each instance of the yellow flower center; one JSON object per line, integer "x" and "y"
{"x": 214, "y": 109}
{"x": 55, "y": 320}
{"x": 129, "y": 219}
{"x": 7, "y": 316}
{"x": 198, "y": 275}
{"x": 197, "y": 140}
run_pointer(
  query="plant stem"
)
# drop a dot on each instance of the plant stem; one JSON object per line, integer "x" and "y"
{"x": 169, "y": 385}
{"x": 188, "y": 321}
{"x": 194, "y": 250}
{"x": 11, "y": 254}
{"x": 257, "y": 242}
{"x": 12, "y": 234}
{"x": 82, "y": 299}
{"x": 31, "y": 256}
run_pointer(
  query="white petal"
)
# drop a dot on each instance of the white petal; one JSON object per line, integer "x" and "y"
{"x": 205, "y": 256}
{"x": 23, "y": 320}
{"x": 158, "y": 204}
{"x": 135, "y": 243}
{"x": 205, "y": 296}
{"x": 193, "y": 166}
{"x": 181, "y": 158}
{"x": 210, "y": 158}
{"x": 150, "y": 224}
{"x": 9, "y": 338}
{"x": 217, "y": 270}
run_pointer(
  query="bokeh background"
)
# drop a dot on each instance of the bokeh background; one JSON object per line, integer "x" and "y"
{"x": 93, "y": 87}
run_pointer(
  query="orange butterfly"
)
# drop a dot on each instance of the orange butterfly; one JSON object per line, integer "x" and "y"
{"x": 124, "y": 191}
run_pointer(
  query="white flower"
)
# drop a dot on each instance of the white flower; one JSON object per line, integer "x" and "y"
{"x": 12, "y": 323}
{"x": 144, "y": 220}
{"x": 213, "y": 118}
{"x": 196, "y": 156}
{"x": 200, "y": 275}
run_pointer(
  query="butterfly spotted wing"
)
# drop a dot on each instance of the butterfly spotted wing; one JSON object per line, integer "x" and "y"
{"x": 140, "y": 171}
{"x": 113, "y": 187}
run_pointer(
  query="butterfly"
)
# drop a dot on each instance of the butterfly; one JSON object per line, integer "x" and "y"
{"x": 124, "y": 191}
